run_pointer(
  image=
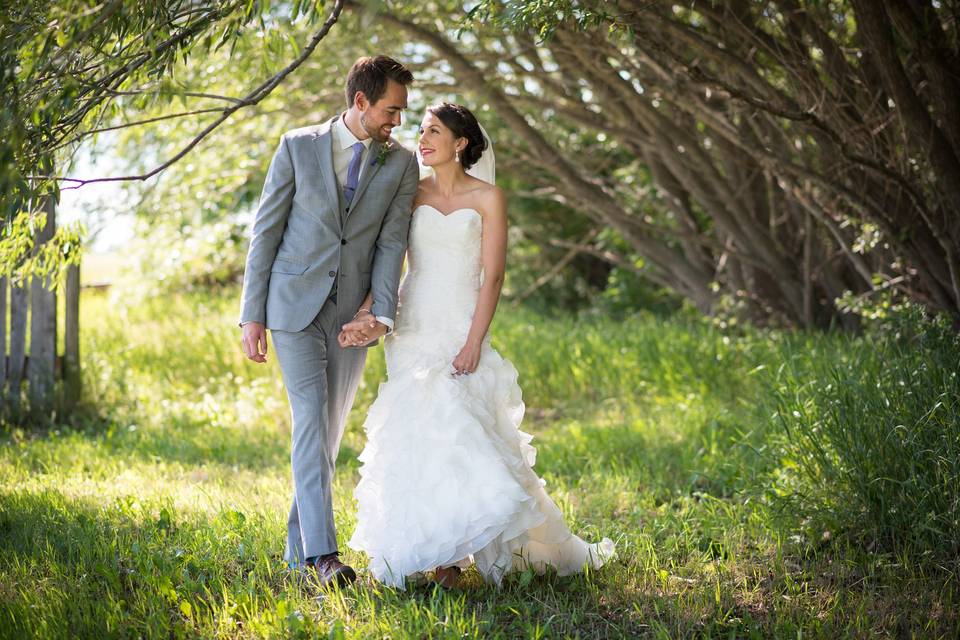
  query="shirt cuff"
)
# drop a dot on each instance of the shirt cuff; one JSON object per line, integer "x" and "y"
{"x": 386, "y": 321}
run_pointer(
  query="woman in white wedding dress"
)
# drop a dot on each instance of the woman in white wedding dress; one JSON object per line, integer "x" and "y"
{"x": 447, "y": 475}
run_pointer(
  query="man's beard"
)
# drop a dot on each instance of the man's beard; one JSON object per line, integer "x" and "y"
{"x": 376, "y": 133}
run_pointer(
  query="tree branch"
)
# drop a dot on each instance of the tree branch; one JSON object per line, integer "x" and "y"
{"x": 250, "y": 99}
{"x": 561, "y": 264}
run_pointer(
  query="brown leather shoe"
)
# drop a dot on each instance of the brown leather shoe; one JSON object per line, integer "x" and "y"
{"x": 447, "y": 577}
{"x": 331, "y": 571}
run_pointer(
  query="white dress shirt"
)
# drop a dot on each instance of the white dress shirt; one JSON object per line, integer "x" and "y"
{"x": 343, "y": 141}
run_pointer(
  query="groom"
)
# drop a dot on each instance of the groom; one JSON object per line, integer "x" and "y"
{"x": 331, "y": 226}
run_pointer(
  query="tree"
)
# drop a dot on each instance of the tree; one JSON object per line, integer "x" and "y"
{"x": 69, "y": 67}
{"x": 192, "y": 220}
{"x": 797, "y": 150}
{"x": 786, "y": 157}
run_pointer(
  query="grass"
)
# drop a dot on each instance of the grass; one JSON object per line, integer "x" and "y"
{"x": 873, "y": 437}
{"x": 158, "y": 508}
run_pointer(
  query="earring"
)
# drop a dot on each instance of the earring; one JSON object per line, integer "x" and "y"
{"x": 458, "y": 155}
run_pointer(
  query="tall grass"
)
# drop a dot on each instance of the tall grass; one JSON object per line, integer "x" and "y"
{"x": 158, "y": 508}
{"x": 872, "y": 444}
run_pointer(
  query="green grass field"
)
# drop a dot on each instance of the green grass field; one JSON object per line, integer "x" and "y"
{"x": 158, "y": 508}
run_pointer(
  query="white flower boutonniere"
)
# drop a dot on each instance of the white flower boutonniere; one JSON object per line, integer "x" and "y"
{"x": 385, "y": 150}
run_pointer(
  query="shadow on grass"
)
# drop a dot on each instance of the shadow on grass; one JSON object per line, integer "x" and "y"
{"x": 72, "y": 568}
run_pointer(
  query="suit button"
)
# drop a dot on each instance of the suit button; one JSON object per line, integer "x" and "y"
{"x": 332, "y": 273}
{"x": 342, "y": 241}
{"x": 347, "y": 210}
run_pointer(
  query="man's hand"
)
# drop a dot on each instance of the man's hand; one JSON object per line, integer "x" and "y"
{"x": 361, "y": 331}
{"x": 255, "y": 337}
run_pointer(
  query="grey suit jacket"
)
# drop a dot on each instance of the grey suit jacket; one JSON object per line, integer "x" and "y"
{"x": 305, "y": 238}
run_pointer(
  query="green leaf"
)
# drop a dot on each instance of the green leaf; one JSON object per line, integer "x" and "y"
{"x": 526, "y": 577}
{"x": 336, "y": 631}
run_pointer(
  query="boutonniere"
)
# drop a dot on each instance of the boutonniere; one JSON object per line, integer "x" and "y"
{"x": 385, "y": 150}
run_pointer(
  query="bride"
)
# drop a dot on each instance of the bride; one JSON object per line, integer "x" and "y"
{"x": 446, "y": 478}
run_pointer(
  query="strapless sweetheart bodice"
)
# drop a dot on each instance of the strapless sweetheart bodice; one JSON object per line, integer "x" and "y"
{"x": 444, "y": 270}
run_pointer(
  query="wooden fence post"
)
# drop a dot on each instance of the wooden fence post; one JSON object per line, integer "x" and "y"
{"x": 43, "y": 325}
{"x": 71, "y": 354}
{"x": 18, "y": 343}
{"x": 3, "y": 339}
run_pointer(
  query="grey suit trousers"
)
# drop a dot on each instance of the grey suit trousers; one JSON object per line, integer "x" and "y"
{"x": 321, "y": 380}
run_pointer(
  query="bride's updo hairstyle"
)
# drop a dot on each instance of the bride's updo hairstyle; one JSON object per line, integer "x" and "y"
{"x": 463, "y": 124}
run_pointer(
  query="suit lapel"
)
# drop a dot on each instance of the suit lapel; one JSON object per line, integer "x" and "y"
{"x": 324, "y": 146}
{"x": 367, "y": 174}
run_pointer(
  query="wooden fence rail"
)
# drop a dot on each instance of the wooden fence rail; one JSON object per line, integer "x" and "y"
{"x": 39, "y": 366}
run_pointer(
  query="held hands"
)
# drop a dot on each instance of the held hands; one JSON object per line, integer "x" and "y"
{"x": 361, "y": 331}
{"x": 255, "y": 337}
{"x": 467, "y": 360}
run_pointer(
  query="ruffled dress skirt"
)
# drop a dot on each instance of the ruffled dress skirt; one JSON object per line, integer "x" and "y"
{"x": 446, "y": 476}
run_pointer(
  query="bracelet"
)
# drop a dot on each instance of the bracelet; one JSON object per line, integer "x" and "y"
{"x": 359, "y": 311}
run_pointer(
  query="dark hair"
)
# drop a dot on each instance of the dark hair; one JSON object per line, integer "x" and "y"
{"x": 370, "y": 75}
{"x": 463, "y": 124}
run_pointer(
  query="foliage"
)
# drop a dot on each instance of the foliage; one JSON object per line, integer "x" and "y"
{"x": 191, "y": 220}
{"x": 188, "y": 219}
{"x": 543, "y": 17}
{"x": 19, "y": 253}
{"x": 761, "y": 157}
{"x": 172, "y": 259}
{"x": 778, "y": 137}
{"x": 74, "y": 68}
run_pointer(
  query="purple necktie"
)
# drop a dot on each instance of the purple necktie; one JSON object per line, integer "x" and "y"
{"x": 353, "y": 172}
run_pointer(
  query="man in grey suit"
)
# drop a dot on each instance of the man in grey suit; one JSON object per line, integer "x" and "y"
{"x": 331, "y": 226}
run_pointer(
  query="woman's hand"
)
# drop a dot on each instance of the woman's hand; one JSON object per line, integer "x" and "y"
{"x": 360, "y": 331}
{"x": 467, "y": 360}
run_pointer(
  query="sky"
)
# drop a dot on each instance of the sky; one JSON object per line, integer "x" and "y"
{"x": 104, "y": 207}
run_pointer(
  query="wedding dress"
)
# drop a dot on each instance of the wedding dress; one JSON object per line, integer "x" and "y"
{"x": 447, "y": 475}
